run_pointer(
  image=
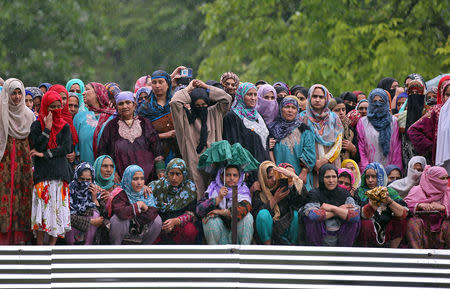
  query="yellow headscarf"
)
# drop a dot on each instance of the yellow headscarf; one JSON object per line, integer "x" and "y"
{"x": 266, "y": 195}
{"x": 357, "y": 175}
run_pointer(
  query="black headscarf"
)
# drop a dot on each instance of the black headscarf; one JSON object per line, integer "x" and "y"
{"x": 416, "y": 102}
{"x": 336, "y": 197}
{"x": 214, "y": 83}
{"x": 351, "y": 97}
{"x": 199, "y": 112}
{"x": 386, "y": 84}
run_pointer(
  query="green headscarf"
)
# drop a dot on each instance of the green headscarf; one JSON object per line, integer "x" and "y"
{"x": 169, "y": 198}
{"x": 69, "y": 84}
{"x": 105, "y": 184}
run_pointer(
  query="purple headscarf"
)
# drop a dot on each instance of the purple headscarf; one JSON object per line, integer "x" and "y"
{"x": 217, "y": 184}
{"x": 283, "y": 85}
{"x": 268, "y": 109}
{"x": 280, "y": 128}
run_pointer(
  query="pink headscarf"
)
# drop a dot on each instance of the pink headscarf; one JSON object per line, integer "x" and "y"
{"x": 352, "y": 178}
{"x": 141, "y": 82}
{"x": 430, "y": 189}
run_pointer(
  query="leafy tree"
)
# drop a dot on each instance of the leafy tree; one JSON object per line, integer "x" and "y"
{"x": 343, "y": 44}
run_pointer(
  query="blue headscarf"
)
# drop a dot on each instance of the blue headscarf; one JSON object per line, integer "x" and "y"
{"x": 134, "y": 196}
{"x": 46, "y": 84}
{"x": 380, "y": 117}
{"x": 390, "y": 168}
{"x": 139, "y": 91}
{"x": 104, "y": 183}
{"x": 150, "y": 108}
{"x": 80, "y": 197}
{"x": 280, "y": 128}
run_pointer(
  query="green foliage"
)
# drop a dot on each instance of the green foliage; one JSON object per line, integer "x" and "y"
{"x": 343, "y": 44}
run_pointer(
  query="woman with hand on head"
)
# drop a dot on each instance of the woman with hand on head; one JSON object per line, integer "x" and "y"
{"x": 133, "y": 215}
{"x": 15, "y": 165}
{"x": 51, "y": 141}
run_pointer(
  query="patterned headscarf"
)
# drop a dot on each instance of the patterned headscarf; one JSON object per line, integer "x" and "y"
{"x": 326, "y": 126}
{"x": 104, "y": 183}
{"x": 280, "y": 128}
{"x": 170, "y": 198}
{"x": 215, "y": 186}
{"x": 381, "y": 179}
{"x": 228, "y": 75}
{"x": 267, "y": 108}
{"x": 150, "y": 108}
{"x": 36, "y": 92}
{"x": 380, "y": 117}
{"x": 134, "y": 196}
{"x": 141, "y": 82}
{"x": 240, "y": 108}
{"x": 443, "y": 83}
{"x": 283, "y": 85}
{"x": 104, "y": 110}
{"x": 139, "y": 92}
{"x": 69, "y": 84}
{"x": 80, "y": 197}
{"x": 113, "y": 89}
{"x": 266, "y": 192}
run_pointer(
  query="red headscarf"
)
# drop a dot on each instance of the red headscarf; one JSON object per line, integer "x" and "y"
{"x": 104, "y": 110}
{"x": 58, "y": 121}
{"x": 445, "y": 81}
{"x": 65, "y": 113}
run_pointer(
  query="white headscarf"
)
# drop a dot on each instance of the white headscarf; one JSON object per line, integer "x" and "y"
{"x": 15, "y": 120}
{"x": 403, "y": 186}
{"x": 443, "y": 136}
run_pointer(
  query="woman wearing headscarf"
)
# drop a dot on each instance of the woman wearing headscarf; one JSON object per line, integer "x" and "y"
{"x": 44, "y": 87}
{"x": 391, "y": 85}
{"x": 326, "y": 126}
{"x": 133, "y": 215}
{"x": 331, "y": 214}
{"x": 77, "y": 86}
{"x": 105, "y": 170}
{"x": 276, "y": 202}
{"x": 142, "y": 94}
{"x": 28, "y": 99}
{"x": 378, "y": 134}
{"x": 201, "y": 125}
{"x": 393, "y": 173}
{"x": 267, "y": 103}
{"x": 157, "y": 109}
{"x": 443, "y": 133}
{"x": 294, "y": 141}
{"x": 353, "y": 166}
{"x": 423, "y": 134}
{"x": 15, "y": 164}
{"x": 360, "y": 95}
{"x": 131, "y": 139}
{"x": 349, "y": 100}
{"x": 176, "y": 199}
{"x": 349, "y": 137}
{"x": 302, "y": 94}
{"x": 429, "y": 228}
{"x": 215, "y": 208}
{"x": 243, "y": 124}
{"x": 51, "y": 141}
{"x": 67, "y": 116}
{"x": 346, "y": 180}
{"x": 282, "y": 92}
{"x": 142, "y": 82}
{"x": 37, "y": 94}
{"x": 90, "y": 123}
{"x": 416, "y": 166}
{"x": 84, "y": 215}
{"x": 113, "y": 90}
{"x": 230, "y": 82}
{"x": 383, "y": 223}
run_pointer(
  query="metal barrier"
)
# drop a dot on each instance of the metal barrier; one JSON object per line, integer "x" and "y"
{"x": 229, "y": 266}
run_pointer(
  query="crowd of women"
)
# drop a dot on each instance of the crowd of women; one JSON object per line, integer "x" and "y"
{"x": 91, "y": 163}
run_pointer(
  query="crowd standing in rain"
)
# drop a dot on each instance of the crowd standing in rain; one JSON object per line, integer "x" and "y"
{"x": 86, "y": 163}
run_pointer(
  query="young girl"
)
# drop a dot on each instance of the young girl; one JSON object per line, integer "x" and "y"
{"x": 51, "y": 141}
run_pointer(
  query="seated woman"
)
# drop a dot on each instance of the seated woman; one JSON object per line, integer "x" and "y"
{"x": 134, "y": 216}
{"x": 84, "y": 215}
{"x": 382, "y": 225}
{"x": 346, "y": 181}
{"x": 280, "y": 195}
{"x": 332, "y": 215}
{"x": 176, "y": 198}
{"x": 295, "y": 142}
{"x": 427, "y": 229}
{"x": 131, "y": 139}
{"x": 215, "y": 209}
{"x": 416, "y": 166}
